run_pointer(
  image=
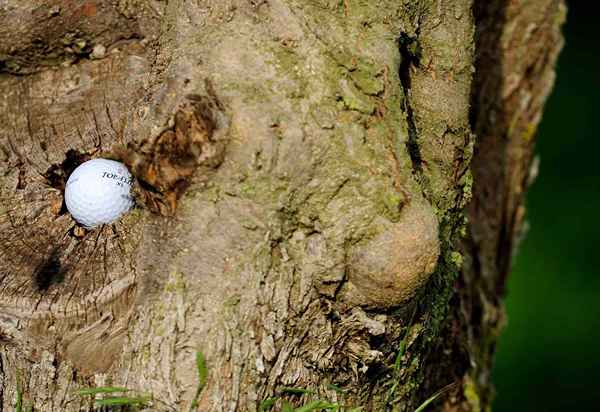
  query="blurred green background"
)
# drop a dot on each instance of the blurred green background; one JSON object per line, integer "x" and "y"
{"x": 549, "y": 355}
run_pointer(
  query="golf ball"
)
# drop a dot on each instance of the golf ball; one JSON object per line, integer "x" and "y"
{"x": 98, "y": 192}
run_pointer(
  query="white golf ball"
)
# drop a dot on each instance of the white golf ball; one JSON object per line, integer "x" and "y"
{"x": 98, "y": 192}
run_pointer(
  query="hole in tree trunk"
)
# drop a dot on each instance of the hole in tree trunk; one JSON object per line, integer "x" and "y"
{"x": 57, "y": 175}
{"x": 49, "y": 272}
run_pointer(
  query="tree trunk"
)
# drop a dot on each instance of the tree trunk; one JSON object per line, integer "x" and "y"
{"x": 304, "y": 170}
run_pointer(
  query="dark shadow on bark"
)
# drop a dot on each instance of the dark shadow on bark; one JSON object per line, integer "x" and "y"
{"x": 467, "y": 354}
{"x": 410, "y": 53}
{"x": 490, "y": 123}
{"x": 49, "y": 272}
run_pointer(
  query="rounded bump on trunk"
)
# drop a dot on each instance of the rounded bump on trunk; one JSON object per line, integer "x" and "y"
{"x": 391, "y": 267}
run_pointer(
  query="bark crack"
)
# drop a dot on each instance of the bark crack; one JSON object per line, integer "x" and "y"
{"x": 3, "y": 385}
{"x": 409, "y": 53}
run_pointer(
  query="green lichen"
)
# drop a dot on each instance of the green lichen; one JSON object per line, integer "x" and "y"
{"x": 393, "y": 202}
{"x": 175, "y": 282}
{"x": 343, "y": 58}
{"x": 289, "y": 64}
{"x": 456, "y": 258}
{"x": 471, "y": 395}
{"x": 355, "y": 100}
{"x": 232, "y": 301}
{"x": 530, "y": 132}
{"x": 247, "y": 190}
{"x": 367, "y": 78}
{"x": 213, "y": 194}
{"x": 467, "y": 188}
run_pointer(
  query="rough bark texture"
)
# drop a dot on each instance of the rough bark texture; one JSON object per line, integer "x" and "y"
{"x": 303, "y": 170}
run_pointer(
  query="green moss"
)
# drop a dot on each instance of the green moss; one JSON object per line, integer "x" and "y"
{"x": 248, "y": 224}
{"x": 530, "y": 132}
{"x": 286, "y": 59}
{"x": 343, "y": 58}
{"x": 247, "y": 190}
{"x": 355, "y": 100}
{"x": 369, "y": 85}
{"x": 212, "y": 194}
{"x": 393, "y": 202}
{"x": 456, "y": 258}
{"x": 232, "y": 301}
{"x": 472, "y": 397}
{"x": 467, "y": 187}
{"x": 324, "y": 115}
{"x": 175, "y": 283}
{"x": 290, "y": 65}
{"x": 367, "y": 78}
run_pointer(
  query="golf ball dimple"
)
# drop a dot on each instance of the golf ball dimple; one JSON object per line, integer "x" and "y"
{"x": 98, "y": 192}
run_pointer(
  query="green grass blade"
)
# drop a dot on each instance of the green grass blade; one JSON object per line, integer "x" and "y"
{"x": 335, "y": 388}
{"x": 433, "y": 397}
{"x": 122, "y": 401}
{"x": 267, "y": 404}
{"x": 401, "y": 350}
{"x": 391, "y": 393}
{"x": 317, "y": 406}
{"x": 296, "y": 391}
{"x": 286, "y": 407}
{"x": 19, "y": 400}
{"x": 202, "y": 369}
{"x": 101, "y": 389}
{"x": 202, "y": 378}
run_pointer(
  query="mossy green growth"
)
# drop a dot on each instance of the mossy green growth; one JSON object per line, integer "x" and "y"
{"x": 471, "y": 395}
{"x": 286, "y": 58}
{"x": 456, "y": 258}
{"x": 176, "y": 282}
{"x": 393, "y": 202}
{"x": 247, "y": 190}
{"x": 19, "y": 400}
{"x": 354, "y": 99}
{"x": 467, "y": 188}
{"x": 290, "y": 65}
{"x": 367, "y": 78}
{"x": 530, "y": 132}
{"x": 232, "y": 301}
{"x": 343, "y": 58}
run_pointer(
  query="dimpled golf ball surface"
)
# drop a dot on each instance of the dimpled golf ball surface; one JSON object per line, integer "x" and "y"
{"x": 98, "y": 192}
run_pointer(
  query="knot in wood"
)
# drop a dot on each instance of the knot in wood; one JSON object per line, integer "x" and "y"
{"x": 164, "y": 165}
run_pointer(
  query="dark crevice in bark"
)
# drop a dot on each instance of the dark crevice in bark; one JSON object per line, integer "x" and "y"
{"x": 409, "y": 52}
{"x": 57, "y": 175}
{"x": 3, "y": 378}
{"x": 490, "y": 182}
{"x": 21, "y": 182}
{"x": 49, "y": 272}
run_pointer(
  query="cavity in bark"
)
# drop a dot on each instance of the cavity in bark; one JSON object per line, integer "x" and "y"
{"x": 57, "y": 175}
{"x": 48, "y": 272}
{"x": 163, "y": 166}
{"x": 410, "y": 54}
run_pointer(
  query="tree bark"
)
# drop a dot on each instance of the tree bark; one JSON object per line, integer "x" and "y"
{"x": 304, "y": 171}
